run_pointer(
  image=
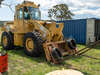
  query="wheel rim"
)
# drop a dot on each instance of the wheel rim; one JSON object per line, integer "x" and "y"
{"x": 5, "y": 41}
{"x": 29, "y": 44}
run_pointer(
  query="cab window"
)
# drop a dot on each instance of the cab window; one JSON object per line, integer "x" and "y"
{"x": 26, "y": 14}
{"x": 20, "y": 14}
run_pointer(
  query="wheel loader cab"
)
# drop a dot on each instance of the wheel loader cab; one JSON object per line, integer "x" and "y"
{"x": 28, "y": 13}
{"x": 24, "y": 13}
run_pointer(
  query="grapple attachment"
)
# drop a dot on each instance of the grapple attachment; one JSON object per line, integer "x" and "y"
{"x": 55, "y": 51}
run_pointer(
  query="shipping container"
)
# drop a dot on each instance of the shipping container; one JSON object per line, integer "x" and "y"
{"x": 84, "y": 31}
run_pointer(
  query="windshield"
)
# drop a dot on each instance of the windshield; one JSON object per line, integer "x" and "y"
{"x": 33, "y": 12}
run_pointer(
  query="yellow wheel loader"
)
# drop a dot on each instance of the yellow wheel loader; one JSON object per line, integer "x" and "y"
{"x": 35, "y": 35}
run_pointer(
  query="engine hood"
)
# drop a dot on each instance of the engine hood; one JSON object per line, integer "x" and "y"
{"x": 41, "y": 22}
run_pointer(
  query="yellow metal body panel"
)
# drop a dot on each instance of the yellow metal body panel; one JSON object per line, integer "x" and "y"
{"x": 18, "y": 39}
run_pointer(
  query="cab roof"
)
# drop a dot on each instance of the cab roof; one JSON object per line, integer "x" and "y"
{"x": 27, "y": 3}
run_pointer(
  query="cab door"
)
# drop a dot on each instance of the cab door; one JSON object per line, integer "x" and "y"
{"x": 20, "y": 22}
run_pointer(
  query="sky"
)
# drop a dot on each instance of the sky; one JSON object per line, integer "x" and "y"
{"x": 81, "y": 8}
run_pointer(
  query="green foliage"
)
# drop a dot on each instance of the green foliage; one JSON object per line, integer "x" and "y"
{"x": 60, "y": 12}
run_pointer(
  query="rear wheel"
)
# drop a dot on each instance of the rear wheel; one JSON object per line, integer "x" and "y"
{"x": 7, "y": 40}
{"x": 32, "y": 44}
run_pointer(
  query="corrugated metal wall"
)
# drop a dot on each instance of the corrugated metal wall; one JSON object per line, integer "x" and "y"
{"x": 75, "y": 29}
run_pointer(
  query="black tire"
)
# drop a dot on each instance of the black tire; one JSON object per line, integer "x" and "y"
{"x": 56, "y": 54}
{"x": 40, "y": 42}
{"x": 71, "y": 43}
{"x": 10, "y": 40}
{"x": 35, "y": 36}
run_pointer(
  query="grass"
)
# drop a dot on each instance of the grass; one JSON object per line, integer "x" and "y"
{"x": 21, "y": 64}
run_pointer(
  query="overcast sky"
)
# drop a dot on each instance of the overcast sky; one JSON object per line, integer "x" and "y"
{"x": 81, "y": 8}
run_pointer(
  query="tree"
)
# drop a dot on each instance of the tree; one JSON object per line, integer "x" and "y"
{"x": 6, "y": 4}
{"x": 60, "y": 12}
{"x": 1, "y": 1}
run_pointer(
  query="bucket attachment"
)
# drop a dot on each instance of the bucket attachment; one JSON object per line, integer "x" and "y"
{"x": 55, "y": 51}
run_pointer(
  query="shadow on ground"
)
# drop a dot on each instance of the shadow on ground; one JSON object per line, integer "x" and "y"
{"x": 19, "y": 51}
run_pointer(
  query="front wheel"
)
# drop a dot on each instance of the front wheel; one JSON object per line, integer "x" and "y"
{"x": 31, "y": 44}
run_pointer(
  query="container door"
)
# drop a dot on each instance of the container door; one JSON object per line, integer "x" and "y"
{"x": 97, "y": 29}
